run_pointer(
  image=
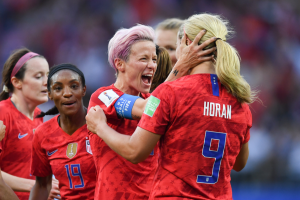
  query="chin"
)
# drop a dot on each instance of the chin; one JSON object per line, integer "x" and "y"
{"x": 42, "y": 100}
{"x": 145, "y": 90}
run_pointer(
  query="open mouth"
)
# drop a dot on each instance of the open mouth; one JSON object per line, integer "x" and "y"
{"x": 147, "y": 78}
{"x": 69, "y": 103}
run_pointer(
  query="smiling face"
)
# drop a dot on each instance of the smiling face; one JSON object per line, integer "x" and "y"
{"x": 66, "y": 91}
{"x": 167, "y": 39}
{"x": 34, "y": 83}
{"x": 138, "y": 71}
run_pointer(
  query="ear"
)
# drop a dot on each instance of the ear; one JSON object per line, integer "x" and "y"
{"x": 83, "y": 91}
{"x": 120, "y": 64}
{"x": 49, "y": 95}
{"x": 17, "y": 83}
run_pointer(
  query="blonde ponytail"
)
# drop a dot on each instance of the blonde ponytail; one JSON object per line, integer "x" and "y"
{"x": 227, "y": 61}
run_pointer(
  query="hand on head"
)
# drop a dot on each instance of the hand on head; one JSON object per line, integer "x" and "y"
{"x": 95, "y": 118}
{"x": 2, "y": 130}
{"x": 194, "y": 53}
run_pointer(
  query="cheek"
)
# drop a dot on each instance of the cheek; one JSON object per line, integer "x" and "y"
{"x": 32, "y": 85}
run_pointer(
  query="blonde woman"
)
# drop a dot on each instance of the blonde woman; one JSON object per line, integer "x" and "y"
{"x": 202, "y": 121}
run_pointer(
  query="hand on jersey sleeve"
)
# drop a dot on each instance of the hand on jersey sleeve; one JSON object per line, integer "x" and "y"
{"x": 193, "y": 54}
{"x": 95, "y": 118}
{"x": 54, "y": 192}
{"x": 2, "y": 130}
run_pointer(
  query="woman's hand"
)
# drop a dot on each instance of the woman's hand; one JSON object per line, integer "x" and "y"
{"x": 191, "y": 55}
{"x": 54, "y": 192}
{"x": 95, "y": 119}
{"x": 2, "y": 130}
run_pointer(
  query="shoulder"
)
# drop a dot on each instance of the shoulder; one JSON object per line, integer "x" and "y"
{"x": 107, "y": 89}
{"x": 6, "y": 105}
{"x": 7, "y": 108}
{"x": 248, "y": 113}
{"x": 47, "y": 127}
{"x": 105, "y": 96}
{"x": 165, "y": 88}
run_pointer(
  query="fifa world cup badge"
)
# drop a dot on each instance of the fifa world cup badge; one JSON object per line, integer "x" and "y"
{"x": 71, "y": 150}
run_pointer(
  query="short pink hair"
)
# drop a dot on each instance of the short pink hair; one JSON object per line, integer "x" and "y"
{"x": 119, "y": 46}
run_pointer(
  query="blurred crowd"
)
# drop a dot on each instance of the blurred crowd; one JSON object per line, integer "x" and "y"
{"x": 267, "y": 38}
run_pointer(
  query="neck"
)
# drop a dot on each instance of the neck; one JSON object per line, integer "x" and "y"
{"x": 25, "y": 107}
{"x": 121, "y": 85}
{"x": 204, "y": 68}
{"x": 70, "y": 123}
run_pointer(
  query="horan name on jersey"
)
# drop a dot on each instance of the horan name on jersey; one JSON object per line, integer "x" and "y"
{"x": 217, "y": 110}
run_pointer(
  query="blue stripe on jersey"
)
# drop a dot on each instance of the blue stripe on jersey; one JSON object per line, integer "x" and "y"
{"x": 214, "y": 84}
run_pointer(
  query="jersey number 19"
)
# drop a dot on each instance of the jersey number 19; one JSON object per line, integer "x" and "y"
{"x": 78, "y": 173}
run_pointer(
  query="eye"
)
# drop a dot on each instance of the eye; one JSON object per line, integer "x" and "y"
{"x": 170, "y": 49}
{"x": 57, "y": 88}
{"x": 154, "y": 60}
{"x": 74, "y": 86}
{"x": 38, "y": 76}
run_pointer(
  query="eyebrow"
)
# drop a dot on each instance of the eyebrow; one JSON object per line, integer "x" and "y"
{"x": 56, "y": 82}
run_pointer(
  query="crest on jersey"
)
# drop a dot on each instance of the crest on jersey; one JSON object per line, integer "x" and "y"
{"x": 88, "y": 147}
{"x": 71, "y": 150}
{"x": 33, "y": 130}
{"x": 108, "y": 97}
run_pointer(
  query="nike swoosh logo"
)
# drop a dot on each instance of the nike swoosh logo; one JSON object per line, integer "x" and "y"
{"x": 51, "y": 153}
{"x": 22, "y": 136}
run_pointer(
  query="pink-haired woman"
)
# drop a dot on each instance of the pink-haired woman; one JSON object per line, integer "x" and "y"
{"x": 132, "y": 53}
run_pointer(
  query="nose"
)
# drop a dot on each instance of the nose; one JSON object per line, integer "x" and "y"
{"x": 152, "y": 65}
{"x": 45, "y": 80}
{"x": 67, "y": 92}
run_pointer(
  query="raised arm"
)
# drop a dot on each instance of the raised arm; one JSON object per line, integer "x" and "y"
{"x": 134, "y": 148}
{"x": 242, "y": 158}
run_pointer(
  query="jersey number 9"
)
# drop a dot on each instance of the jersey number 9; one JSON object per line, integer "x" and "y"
{"x": 217, "y": 155}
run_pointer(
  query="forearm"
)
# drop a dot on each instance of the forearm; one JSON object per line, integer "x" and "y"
{"x": 16, "y": 183}
{"x": 6, "y": 193}
{"x": 119, "y": 143}
{"x": 39, "y": 193}
{"x": 41, "y": 188}
{"x": 178, "y": 71}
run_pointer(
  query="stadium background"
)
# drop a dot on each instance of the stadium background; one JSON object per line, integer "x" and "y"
{"x": 267, "y": 38}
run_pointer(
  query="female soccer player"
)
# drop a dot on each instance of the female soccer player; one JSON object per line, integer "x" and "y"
{"x": 24, "y": 76}
{"x": 60, "y": 145}
{"x": 132, "y": 53}
{"x": 201, "y": 120}
{"x": 166, "y": 36}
